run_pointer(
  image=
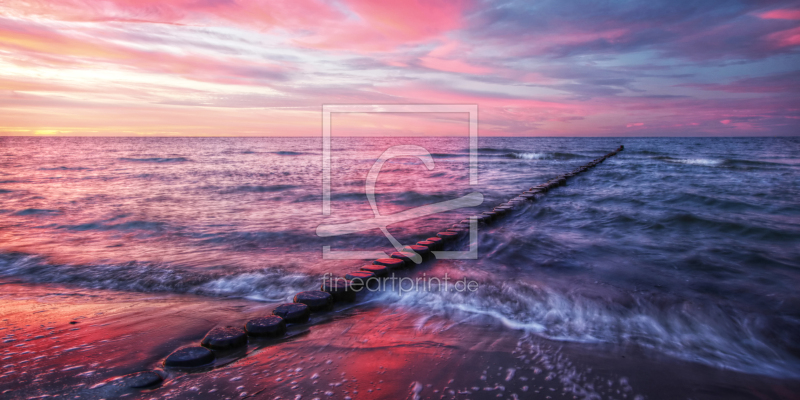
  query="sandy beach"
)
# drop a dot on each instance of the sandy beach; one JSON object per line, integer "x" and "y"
{"x": 70, "y": 343}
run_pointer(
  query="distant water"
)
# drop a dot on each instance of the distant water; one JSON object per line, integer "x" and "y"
{"x": 690, "y": 247}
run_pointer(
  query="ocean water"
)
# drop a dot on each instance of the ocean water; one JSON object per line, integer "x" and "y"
{"x": 688, "y": 247}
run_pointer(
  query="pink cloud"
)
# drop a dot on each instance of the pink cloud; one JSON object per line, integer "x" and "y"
{"x": 450, "y": 57}
{"x": 411, "y": 20}
{"x": 49, "y": 45}
{"x": 27, "y": 85}
{"x": 786, "y": 38}
{"x": 781, "y": 14}
{"x": 297, "y": 14}
{"x": 776, "y": 83}
{"x": 423, "y": 93}
{"x": 385, "y": 25}
{"x": 446, "y": 50}
{"x": 456, "y": 66}
{"x": 499, "y": 114}
{"x": 360, "y": 25}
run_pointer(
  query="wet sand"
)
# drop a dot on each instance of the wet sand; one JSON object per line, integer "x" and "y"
{"x": 72, "y": 343}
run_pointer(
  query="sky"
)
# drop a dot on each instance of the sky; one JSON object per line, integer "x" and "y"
{"x": 265, "y": 68}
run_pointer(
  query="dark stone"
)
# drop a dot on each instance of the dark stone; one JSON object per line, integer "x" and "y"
{"x": 421, "y": 250}
{"x": 269, "y": 326}
{"x": 458, "y": 231}
{"x": 460, "y": 226}
{"x": 141, "y": 379}
{"x": 316, "y": 300}
{"x": 404, "y": 256}
{"x": 438, "y": 242}
{"x": 292, "y": 313}
{"x": 188, "y": 357}
{"x": 500, "y": 210}
{"x": 363, "y": 275}
{"x": 359, "y": 279}
{"x": 447, "y": 236}
{"x": 390, "y": 263}
{"x": 222, "y": 338}
{"x": 428, "y": 244}
{"x": 379, "y": 270}
{"x": 493, "y": 215}
{"x": 339, "y": 288}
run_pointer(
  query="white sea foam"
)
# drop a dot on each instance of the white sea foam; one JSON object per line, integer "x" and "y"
{"x": 530, "y": 156}
{"x": 698, "y": 161}
{"x": 705, "y": 334}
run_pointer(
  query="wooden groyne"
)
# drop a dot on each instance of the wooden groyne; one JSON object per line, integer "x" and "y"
{"x": 224, "y": 340}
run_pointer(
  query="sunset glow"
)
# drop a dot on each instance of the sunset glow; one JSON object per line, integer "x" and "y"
{"x": 265, "y": 68}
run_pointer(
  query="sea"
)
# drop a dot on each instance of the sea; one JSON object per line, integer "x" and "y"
{"x": 684, "y": 247}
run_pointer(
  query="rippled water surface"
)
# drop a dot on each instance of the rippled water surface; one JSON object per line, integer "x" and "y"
{"x": 690, "y": 247}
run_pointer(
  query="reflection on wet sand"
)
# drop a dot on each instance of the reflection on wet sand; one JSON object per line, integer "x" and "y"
{"x": 367, "y": 351}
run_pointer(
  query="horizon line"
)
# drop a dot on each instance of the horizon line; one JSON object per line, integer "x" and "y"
{"x": 373, "y": 137}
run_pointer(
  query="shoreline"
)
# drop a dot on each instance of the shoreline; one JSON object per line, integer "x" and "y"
{"x": 364, "y": 351}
